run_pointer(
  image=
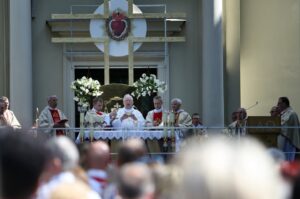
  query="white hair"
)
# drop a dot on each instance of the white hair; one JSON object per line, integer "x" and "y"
{"x": 63, "y": 148}
{"x": 179, "y": 101}
{"x": 4, "y": 99}
{"x": 220, "y": 168}
{"x": 127, "y": 96}
{"x": 51, "y": 96}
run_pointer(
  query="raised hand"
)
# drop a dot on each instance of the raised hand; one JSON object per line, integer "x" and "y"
{"x": 125, "y": 116}
{"x": 3, "y": 120}
{"x": 133, "y": 117}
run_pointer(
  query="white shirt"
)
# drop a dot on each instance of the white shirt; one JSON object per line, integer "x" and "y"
{"x": 45, "y": 189}
{"x": 97, "y": 180}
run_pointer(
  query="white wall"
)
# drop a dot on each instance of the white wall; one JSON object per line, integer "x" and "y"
{"x": 232, "y": 57}
{"x": 270, "y": 49}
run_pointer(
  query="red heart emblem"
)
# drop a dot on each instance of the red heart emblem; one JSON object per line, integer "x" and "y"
{"x": 118, "y": 26}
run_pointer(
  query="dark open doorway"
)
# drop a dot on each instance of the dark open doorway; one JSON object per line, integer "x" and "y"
{"x": 117, "y": 75}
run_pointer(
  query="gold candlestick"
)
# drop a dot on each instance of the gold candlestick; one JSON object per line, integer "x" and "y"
{"x": 172, "y": 124}
{"x": 37, "y": 117}
{"x": 81, "y": 132}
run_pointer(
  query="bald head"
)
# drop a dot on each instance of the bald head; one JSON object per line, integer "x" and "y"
{"x": 135, "y": 181}
{"x": 131, "y": 150}
{"x": 98, "y": 155}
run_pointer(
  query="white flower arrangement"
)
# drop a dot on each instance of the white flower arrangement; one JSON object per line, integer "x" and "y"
{"x": 147, "y": 85}
{"x": 85, "y": 89}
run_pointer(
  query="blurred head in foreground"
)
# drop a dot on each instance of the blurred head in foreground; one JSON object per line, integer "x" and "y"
{"x": 131, "y": 150}
{"x": 220, "y": 168}
{"x": 135, "y": 181}
{"x": 22, "y": 160}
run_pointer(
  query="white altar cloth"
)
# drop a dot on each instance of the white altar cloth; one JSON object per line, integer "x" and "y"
{"x": 125, "y": 134}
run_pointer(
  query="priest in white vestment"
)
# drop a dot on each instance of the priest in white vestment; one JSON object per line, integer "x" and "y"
{"x": 198, "y": 126}
{"x": 238, "y": 126}
{"x": 52, "y": 117}
{"x": 128, "y": 117}
{"x": 95, "y": 117}
{"x": 182, "y": 119}
{"x": 154, "y": 119}
{"x": 7, "y": 117}
{"x": 289, "y": 139}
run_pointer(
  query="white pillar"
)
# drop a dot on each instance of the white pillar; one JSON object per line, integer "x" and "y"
{"x": 232, "y": 65}
{"x": 21, "y": 61}
{"x": 213, "y": 88}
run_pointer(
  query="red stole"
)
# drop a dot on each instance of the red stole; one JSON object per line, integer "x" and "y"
{"x": 157, "y": 116}
{"x": 56, "y": 118}
{"x": 99, "y": 113}
{"x": 101, "y": 181}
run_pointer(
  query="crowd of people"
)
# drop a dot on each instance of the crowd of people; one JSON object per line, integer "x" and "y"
{"x": 55, "y": 168}
{"x": 214, "y": 167}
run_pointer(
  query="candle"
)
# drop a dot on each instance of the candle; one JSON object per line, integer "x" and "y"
{"x": 37, "y": 117}
{"x": 81, "y": 119}
{"x": 101, "y": 119}
{"x": 81, "y": 132}
{"x": 165, "y": 117}
{"x": 171, "y": 117}
{"x": 92, "y": 121}
{"x": 37, "y": 113}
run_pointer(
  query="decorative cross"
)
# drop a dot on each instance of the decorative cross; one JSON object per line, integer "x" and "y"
{"x": 131, "y": 39}
{"x": 117, "y": 106}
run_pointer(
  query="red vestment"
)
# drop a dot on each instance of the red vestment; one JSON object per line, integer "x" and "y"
{"x": 157, "y": 116}
{"x": 56, "y": 118}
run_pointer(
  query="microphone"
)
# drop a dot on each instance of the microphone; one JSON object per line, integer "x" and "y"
{"x": 252, "y": 106}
